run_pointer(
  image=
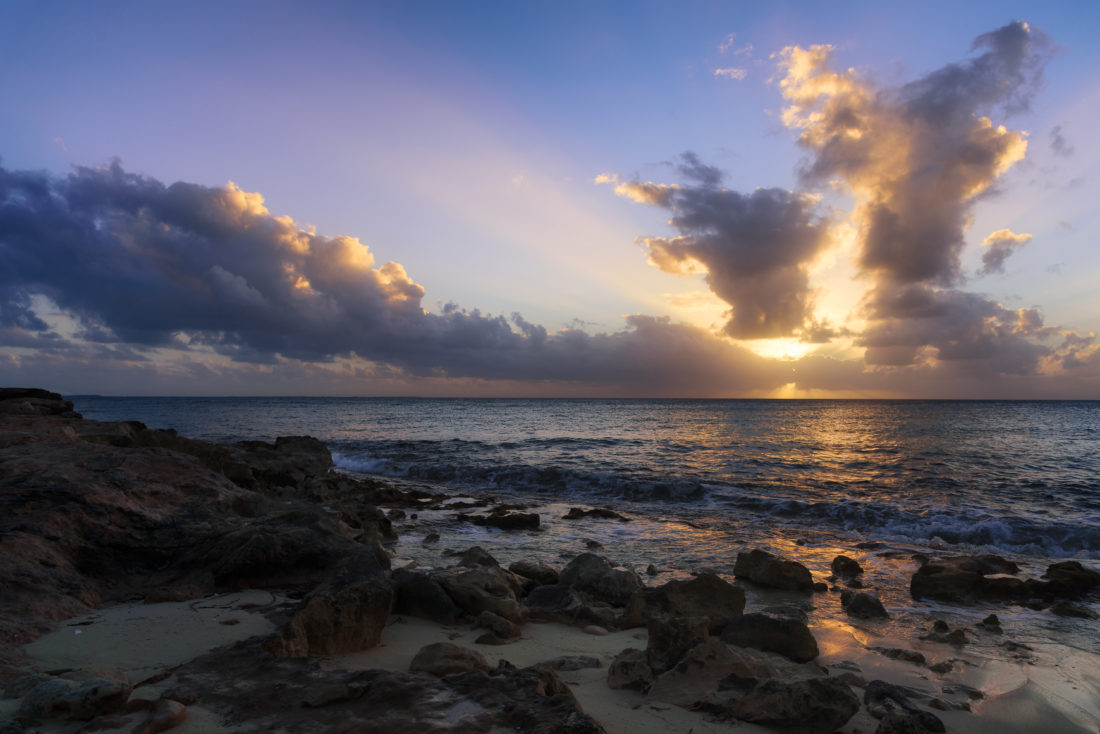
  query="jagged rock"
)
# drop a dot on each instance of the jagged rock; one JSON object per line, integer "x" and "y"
{"x": 815, "y": 706}
{"x": 417, "y": 594}
{"x": 862, "y": 606}
{"x": 766, "y": 569}
{"x": 541, "y": 573}
{"x": 846, "y": 567}
{"x": 694, "y": 677}
{"x": 992, "y": 623}
{"x": 630, "y": 669}
{"x": 347, "y": 614}
{"x": 444, "y": 658}
{"x": 576, "y": 513}
{"x": 83, "y": 700}
{"x": 166, "y": 714}
{"x": 1066, "y": 609}
{"x": 897, "y": 653}
{"x": 962, "y": 580}
{"x": 499, "y": 626}
{"x": 788, "y": 637}
{"x": 561, "y": 604}
{"x": 595, "y": 576}
{"x": 706, "y": 595}
{"x": 477, "y": 556}
{"x": 885, "y": 699}
{"x": 478, "y": 588}
{"x": 671, "y": 637}
{"x": 1070, "y": 580}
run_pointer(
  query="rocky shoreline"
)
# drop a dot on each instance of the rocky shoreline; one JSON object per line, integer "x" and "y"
{"x": 100, "y": 515}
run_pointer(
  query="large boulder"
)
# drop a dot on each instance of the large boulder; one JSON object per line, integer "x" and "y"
{"x": 595, "y": 576}
{"x": 707, "y": 595}
{"x": 695, "y": 676}
{"x": 815, "y": 706}
{"x": 671, "y": 637}
{"x": 540, "y": 573}
{"x": 479, "y": 588}
{"x": 559, "y": 603}
{"x": 345, "y": 615}
{"x": 767, "y": 569}
{"x": 417, "y": 594}
{"x": 788, "y": 637}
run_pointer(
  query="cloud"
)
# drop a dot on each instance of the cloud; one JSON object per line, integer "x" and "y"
{"x": 754, "y": 248}
{"x": 916, "y": 158}
{"x": 729, "y": 45}
{"x": 145, "y": 270}
{"x": 1058, "y": 142}
{"x": 731, "y": 72}
{"x": 999, "y": 246}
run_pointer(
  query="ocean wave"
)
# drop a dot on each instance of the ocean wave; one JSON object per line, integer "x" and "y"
{"x": 933, "y": 524}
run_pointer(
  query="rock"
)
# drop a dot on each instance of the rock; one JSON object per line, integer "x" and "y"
{"x": 444, "y": 658}
{"x": 671, "y": 637}
{"x": 595, "y": 629}
{"x": 593, "y": 544}
{"x": 1070, "y": 580}
{"x": 706, "y": 595}
{"x": 886, "y": 700}
{"x": 576, "y": 513}
{"x": 477, "y": 556}
{"x": 766, "y": 569}
{"x": 897, "y": 653}
{"x": 862, "y": 606}
{"x": 1066, "y": 609}
{"x": 694, "y": 678}
{"x": 479, "y": 588}
{"x": 417, "y": 594}
{"x": 572, "y": 662}
{"x": 430, "y": 538}
{"x": 816, "y": 706}
{"x": 651, "y": 570}
{"x": 942, "y": 633}
{"x": 846, "y": 567}
{"x": 788, "y": 637}
{"x": 499, "y": 626}
{"x": 962, "y": 580}
{"x": 509, "y": 520}
{"x": 630, "y": 669}
{"x": 491, "y": 638}
{"x": 539, "y": 572}
{"x": 595, "y": 576}
{"x": 84, "y": 700}
{"x": 992, "y": 623}
{"x": 561, "y": 604}
{"x": 166, "y": 714}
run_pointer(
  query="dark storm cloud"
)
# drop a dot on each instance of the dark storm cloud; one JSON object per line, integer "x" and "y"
{"x": 755, "y": 248}
{"x": 132, "y": 263}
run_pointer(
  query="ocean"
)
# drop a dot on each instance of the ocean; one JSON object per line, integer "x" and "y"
{"x": 882, "y": 481}
{"x": 1006, "y": 477}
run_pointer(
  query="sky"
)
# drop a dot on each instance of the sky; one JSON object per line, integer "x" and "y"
{"x": 635, "y": 199}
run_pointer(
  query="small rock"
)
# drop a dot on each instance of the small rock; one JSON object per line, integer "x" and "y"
{"x": 444, "y": 658}
{"x": 576, "y": 513}
{"x": 766, "y": 569}
{"x": 595, "y": 629}
{"x": 573, "y": 662}
{"x": 651, "y": 570}
{"x": 167, "y": 714}
{"x": 897, "y": 653}
{"x": 945, "y": 666}
{"x": 862, "y": 606}
{"x": 431, "y": 538}
{"x": 593, "y": 544}
{"x": 846, "y": 567}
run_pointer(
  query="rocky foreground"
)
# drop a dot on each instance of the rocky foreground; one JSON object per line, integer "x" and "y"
{"x": 94, "y": 514}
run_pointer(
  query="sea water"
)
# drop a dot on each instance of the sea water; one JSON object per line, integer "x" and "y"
{"x": 1014, "y": 477}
